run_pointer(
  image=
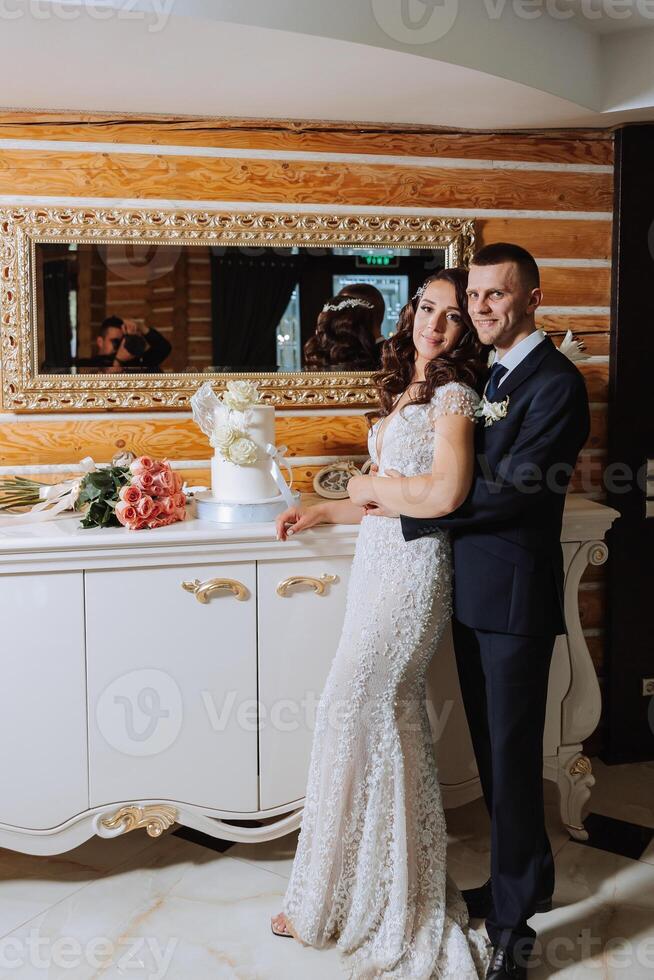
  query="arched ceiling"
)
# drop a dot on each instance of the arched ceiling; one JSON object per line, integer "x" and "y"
{"x": 478, "y": 64}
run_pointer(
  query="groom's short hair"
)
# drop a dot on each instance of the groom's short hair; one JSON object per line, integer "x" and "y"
{"x": 500, "y": 252}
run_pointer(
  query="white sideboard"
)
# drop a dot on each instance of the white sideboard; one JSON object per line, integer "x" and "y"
{"x": 173, "y": 676}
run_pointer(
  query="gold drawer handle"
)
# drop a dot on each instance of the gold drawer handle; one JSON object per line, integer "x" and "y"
{"x": 317, "y": 584}
{"x": 203, "y": 590}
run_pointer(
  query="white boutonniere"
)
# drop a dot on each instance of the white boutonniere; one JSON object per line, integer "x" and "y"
{"x": 492, "y": 412}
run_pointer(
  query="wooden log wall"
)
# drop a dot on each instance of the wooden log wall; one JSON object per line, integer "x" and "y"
{"x": 550, "y": 191}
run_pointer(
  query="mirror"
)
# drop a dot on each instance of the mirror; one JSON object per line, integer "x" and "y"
{"x": 200, "y": 295}
{"x": 147, "y": 308}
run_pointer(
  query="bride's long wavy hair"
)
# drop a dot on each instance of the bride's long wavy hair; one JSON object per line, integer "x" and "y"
{"x": 467, "y": 362}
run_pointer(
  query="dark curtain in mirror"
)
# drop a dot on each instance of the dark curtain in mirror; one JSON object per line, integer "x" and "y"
{"x": 249, "y": 294}
{"x": 57, "y": 314}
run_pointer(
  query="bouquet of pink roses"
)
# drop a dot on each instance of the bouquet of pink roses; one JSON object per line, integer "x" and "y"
{"x": 147, "y": 493}
{"x": 153, "y": 498}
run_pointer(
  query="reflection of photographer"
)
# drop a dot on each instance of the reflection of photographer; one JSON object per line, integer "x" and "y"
{"x": 128, "y": 345}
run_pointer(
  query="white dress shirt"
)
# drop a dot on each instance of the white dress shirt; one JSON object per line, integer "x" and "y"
{"x": 518, "y": 353}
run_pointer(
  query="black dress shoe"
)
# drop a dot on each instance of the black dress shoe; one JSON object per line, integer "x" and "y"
{"x": 503, "y": 966}
{"x": 480, "y": 901}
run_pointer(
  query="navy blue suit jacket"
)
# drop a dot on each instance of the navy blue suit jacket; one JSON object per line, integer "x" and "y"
{"x": 506, "y": 536}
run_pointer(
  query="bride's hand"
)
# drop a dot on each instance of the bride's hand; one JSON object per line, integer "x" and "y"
{"x": 295, "y": 519}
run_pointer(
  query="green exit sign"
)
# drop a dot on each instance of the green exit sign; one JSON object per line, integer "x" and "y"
{"x": 383, "y": 261}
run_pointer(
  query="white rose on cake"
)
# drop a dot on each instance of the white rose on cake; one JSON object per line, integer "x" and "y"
{"x": 242, "y": 451}
{"x": 223, "y": 436}
{"x": 241, "y": 395}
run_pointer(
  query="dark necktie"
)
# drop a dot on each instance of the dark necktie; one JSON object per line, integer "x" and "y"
{"x": 497, "y": 372}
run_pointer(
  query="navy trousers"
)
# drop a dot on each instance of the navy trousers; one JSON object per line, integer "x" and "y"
{"x": 504, "y": 686}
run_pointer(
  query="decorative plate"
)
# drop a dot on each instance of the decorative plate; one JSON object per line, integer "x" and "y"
{"x": 332, "y": 480}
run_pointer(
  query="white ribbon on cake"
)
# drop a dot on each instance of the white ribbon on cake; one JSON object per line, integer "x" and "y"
{"x": 276, "y": 454}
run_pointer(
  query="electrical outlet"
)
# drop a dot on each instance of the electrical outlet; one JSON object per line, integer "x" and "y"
{"x": 648, "y": 686}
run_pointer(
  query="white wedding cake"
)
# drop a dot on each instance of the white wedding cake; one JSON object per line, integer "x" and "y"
{"x": 246, "y": 480}
{"x": 240, "y": 468}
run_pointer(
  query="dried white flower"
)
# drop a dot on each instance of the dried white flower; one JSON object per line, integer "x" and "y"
{"x": 573, "y": 349}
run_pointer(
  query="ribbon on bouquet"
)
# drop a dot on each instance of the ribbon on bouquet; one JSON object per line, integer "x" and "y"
{"x": 55, "y": 499}
{"x": 276, "y": 454}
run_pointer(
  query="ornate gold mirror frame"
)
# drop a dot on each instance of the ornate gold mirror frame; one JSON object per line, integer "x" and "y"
{"x": 24, "y": 389}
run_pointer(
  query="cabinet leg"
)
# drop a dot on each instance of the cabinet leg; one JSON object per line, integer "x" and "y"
{"x": 575, "y": 781}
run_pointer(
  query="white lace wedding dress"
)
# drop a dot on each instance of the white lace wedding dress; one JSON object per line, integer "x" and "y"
{"x": 370, "y": 866}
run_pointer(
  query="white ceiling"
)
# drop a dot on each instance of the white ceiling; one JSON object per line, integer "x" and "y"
{"x": 477, "y": 65}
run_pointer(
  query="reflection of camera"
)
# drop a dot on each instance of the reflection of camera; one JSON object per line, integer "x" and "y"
{"x": 135, "y": 344}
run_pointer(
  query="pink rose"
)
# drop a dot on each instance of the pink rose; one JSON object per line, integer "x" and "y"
{"x": 130, "y": 494}
{"x": 168, "y": 505}
{"x": 160, "y": 522}
{"x": 126, "y": 514}
{"x": 180, "y": 500}
{"x": 164, "y": 520}
{"x": 178, "y": 482}
{"x": 144, "y": 507}
{"x": 144, "y": 481}
{"x": 163, "y": 484}
{"x": 141, "y": 465}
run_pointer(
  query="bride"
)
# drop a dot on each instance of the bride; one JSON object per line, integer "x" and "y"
{"x": 370, "y": 867}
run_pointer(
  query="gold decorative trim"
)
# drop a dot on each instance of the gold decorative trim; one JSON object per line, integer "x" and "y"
{"x": 581, "y": 766}
{"x": 21, "y": 228}
{"x": 155, "y": 819}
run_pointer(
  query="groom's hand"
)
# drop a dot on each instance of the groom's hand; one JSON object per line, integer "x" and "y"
{"x": 376, "y": 510}
{"x": 359, "y": 489}
{"x": 374, "y": 471}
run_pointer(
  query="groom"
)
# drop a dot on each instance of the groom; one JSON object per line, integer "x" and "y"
{"x": 508, "y": 585}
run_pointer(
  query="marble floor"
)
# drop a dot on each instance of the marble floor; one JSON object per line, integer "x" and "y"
{"x": 177, "y": 908}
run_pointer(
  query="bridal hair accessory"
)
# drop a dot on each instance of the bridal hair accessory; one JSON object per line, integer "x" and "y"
{"x": 335, "y": 307}
{"x": 419, "y": 291}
